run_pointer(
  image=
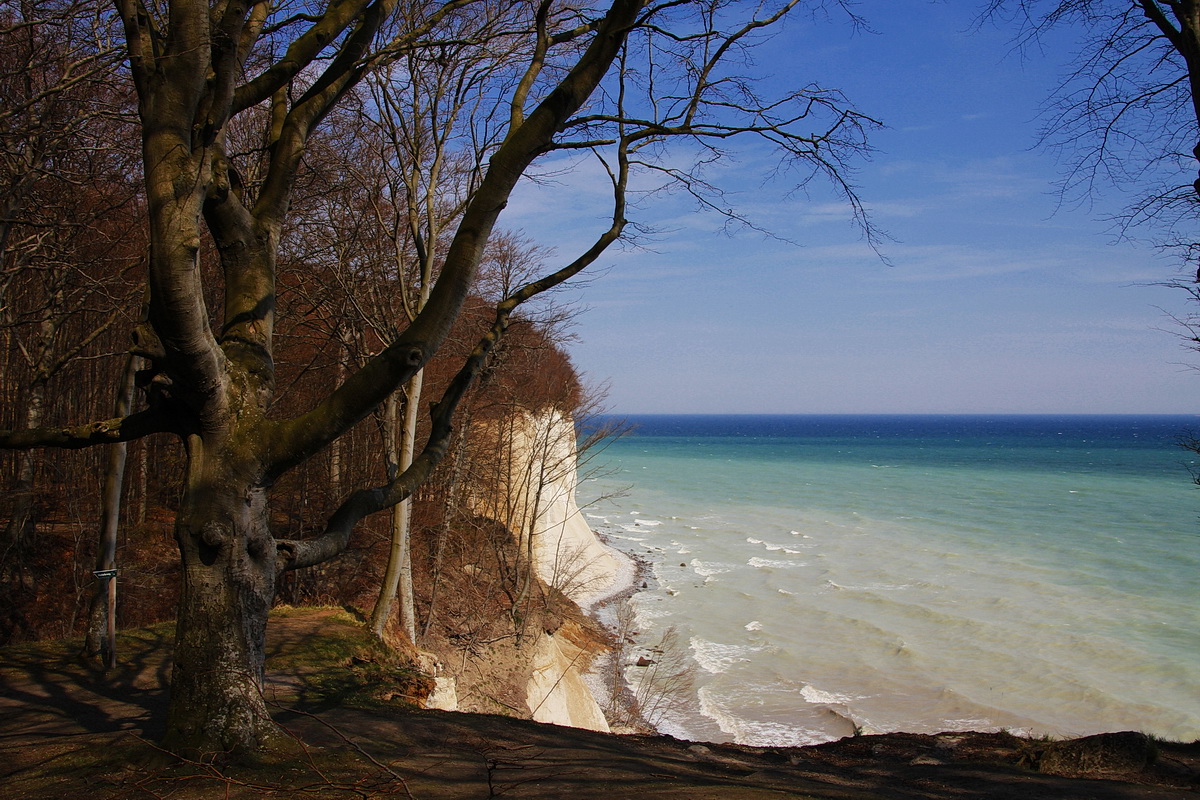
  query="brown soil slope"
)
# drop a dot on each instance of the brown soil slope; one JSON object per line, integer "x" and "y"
{"x": 66, "y": 731}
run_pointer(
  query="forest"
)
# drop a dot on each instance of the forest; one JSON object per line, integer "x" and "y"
{"x": 292, "y": 214}
{"x": 266, "y": 339}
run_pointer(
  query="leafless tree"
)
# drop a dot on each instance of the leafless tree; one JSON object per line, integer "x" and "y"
{"x": 436, "y": 123}
{"x": 618, "y": 79}
{"x": 68, "y": 215}
{"x": 1128, "y": 113}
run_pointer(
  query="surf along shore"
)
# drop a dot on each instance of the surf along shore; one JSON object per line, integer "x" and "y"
{"x": 65, "y": 729}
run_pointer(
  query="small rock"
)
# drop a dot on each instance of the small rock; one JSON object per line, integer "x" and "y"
{"x": 928, "y": 761}
{"x": 444, "y": 695}
{"x": 644, "y": 662}
{"x": 699, "y": 749}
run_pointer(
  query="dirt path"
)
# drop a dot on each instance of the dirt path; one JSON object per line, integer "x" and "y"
{"x": 66, "y": 731}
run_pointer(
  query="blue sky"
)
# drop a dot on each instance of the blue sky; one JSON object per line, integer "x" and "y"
{"x": 996, "y": 299}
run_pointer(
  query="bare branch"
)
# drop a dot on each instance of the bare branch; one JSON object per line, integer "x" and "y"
{"x": 109, "y": 431}
{"x": 335, "y": 539}
{"x": 365, "y": 389}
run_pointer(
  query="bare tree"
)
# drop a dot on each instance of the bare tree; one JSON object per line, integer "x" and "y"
{"x": 590, "y": 78}
{"x": 102, "y": 619}
{"x": 1128, "y": 113}
{"x": 436, "y": 122}
{"x": 68, "y": 215}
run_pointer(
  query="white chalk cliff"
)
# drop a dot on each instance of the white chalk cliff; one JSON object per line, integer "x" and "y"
{"x": 542, "y": 512}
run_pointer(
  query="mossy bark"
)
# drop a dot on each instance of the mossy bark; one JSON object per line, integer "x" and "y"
{"x": 217, "y": 707}
{"x": 211, "y": 384}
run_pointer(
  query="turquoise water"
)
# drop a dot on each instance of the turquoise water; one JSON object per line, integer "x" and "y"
{"x": 914, "y": 573}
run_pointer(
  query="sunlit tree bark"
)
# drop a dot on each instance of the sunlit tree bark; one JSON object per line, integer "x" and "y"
{"x": 590, "y": 79}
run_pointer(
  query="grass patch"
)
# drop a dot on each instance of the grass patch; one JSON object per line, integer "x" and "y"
{"x": 337, "y": 661}
{"x": 322, "y": 656}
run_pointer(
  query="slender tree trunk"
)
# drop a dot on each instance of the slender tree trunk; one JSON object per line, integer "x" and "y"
{"x": 228, "y": 583}
{"x": 335, "y": 447}
{"x": 402, "y": 525}
{"x": 397, "y": 578}
{"x": 143, "y": 482}
{"x": 101, "y": 635}
{"x": 449, "y": 511}
{"x": 22, "y": 491}
{"x": 387, "y": 588}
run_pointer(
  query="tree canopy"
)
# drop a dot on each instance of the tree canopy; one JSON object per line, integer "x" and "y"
{"x": 234, "y": 103}
{"x": 1126, "y": 114}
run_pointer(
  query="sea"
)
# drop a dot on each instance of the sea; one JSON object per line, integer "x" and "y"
{"x": 823, "y": 576}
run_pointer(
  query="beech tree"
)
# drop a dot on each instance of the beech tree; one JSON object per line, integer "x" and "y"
{"x": 1128, "y": 112}
{"x": 617, "y": 79}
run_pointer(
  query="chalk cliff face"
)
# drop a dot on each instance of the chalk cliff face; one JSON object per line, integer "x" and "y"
{"x": 556, "y": 691}
{"x": 542, "y": 479}
{"x": 541, "y": 511}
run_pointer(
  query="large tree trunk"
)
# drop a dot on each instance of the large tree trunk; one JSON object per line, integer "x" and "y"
{"x": 217, "y": 707}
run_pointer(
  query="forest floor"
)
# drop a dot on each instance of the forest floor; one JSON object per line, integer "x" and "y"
{"x": 67, "y": 730}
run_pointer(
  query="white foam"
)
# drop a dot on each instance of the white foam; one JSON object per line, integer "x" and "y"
{"x": 644, "y": 616}
{"x": 814, "y": 695}
{"x": 715, "y": 657}
{"x": 871, "y": 587}
{"x": 980, "y": 724}
{"x": 753, "y": 625}
{"x": 752, "y": 540}
{"x": 754, "y": 733}
{"x": 707, "y": 569}
{"x": 768, "y": 563}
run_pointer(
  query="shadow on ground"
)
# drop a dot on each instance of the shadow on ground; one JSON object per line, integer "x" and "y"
{"x": 67, "y": 730}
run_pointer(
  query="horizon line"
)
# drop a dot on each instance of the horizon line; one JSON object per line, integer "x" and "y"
{"x": 898, "y": 414}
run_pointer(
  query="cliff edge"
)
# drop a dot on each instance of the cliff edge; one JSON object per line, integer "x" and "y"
{"x": 537, "y": 504}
